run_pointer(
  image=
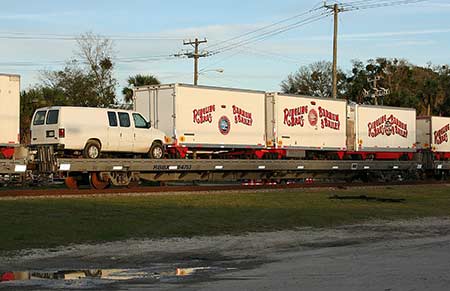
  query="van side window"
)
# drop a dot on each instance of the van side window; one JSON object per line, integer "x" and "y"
{"x": 124, "y": 119}
{"x": 112, "y": 117}
{"x": 52, "y": 117}
{"x": 139, "y": 121}
{"x": 39, "y": 118}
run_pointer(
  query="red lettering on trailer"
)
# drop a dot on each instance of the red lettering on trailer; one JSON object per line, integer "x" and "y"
{"x": 295, "y": 116}
{"x": 242, "y": 116}
{"x": 387, "y": 126}
{"x": 204, "y": 114}
{"x": 329, "y": 119}
{"x": 441, "y": 135}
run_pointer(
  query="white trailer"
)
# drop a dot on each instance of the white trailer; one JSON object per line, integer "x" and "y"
{"x": 10, "y": 109}
{"x": 204, "y": 117}
{"x": 381, "y": 129}
{"x": 433, "y": 134}
{"x": 305, "y": 122}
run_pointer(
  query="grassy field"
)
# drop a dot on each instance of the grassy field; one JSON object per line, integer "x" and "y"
{"x": 51, "y": 222}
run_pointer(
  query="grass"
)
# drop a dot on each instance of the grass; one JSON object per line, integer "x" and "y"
{"x": 51, "y": 222}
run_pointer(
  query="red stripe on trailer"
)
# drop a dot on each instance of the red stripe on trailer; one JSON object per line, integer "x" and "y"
{"x": 441, "y": 156}
{"x": 382, "y": 155}
{"x": 8, "y": 153}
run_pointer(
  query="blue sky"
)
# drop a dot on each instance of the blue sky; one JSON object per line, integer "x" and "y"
{"x": 418, "y": 32}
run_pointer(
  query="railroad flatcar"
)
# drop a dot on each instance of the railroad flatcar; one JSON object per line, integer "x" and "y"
{"x": 240, "y": 131}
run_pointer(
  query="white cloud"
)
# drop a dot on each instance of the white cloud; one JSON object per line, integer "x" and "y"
{"x": 408, "y": 43}
{"x": 394, "y": 33}
{"x": 436, "y": 5}
{"x": 36, "y": 16}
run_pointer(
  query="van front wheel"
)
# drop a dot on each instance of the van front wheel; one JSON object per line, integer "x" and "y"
{"x": 92, "y": 150}
{"x": 156, "y": 151}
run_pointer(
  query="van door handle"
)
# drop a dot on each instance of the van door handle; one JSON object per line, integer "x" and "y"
{"x": 34, "y": 138}
{"x": 120, "y": 134}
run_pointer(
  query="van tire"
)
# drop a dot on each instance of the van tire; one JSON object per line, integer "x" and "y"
{"x": 156, "y": 151}
{"x": 92, "y": 150}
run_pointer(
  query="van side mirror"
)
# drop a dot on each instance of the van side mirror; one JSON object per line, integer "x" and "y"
{"x": 149, "y": 124}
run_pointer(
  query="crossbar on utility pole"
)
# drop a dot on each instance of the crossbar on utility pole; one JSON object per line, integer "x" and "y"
{"x": 336, "y": 11}
{"x": 196, "y": 55}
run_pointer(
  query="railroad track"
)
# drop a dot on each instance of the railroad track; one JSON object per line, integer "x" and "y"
{"x": 62, "y": 192}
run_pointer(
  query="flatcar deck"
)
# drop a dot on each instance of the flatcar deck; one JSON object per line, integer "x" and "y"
{"x": 184, "y": 165}
{"x": 123, "y": 172}
{"x": 12, "y": 166}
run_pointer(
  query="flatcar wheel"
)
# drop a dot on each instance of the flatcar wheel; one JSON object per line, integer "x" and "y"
{"x": 133, "y": 184}
{"x": 96, "y": 183}
{"x": 71, "y": 183}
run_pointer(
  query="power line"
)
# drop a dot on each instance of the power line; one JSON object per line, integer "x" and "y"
{"x": 268, "y": 34}
{"x": 264, "y": 27}
{"x": 263, "y": 32}
{"x": 69, "y": 37}
{"x": 361, "y": 5}
{"x": 59, "y": 62}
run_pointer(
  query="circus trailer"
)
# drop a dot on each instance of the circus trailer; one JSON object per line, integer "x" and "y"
{"x": 10, "y": 112}
{"x": 381, "y": 132}
{"x": 433, "y": 135}
{"x": 204, "y": 119}
{"x": 298, "y": 122}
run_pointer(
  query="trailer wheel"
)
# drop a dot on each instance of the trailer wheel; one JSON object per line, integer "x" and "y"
{"x": 92, "y": 150}
{"x": 156, "y": 151}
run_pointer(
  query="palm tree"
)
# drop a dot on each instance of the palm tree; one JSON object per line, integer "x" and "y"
{"x": 138, "y": 80}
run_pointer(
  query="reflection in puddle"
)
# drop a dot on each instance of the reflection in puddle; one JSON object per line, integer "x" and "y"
{"x": 94, "y": 277}
{"x": 190, "y": 271}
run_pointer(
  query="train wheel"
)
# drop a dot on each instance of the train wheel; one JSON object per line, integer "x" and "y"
{"x": 97, "y": 183}
{"x": 71, "y": 183}
{"x": 133, "y": 184}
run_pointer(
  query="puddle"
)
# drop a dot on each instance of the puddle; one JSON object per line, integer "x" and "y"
{"x": 91, "y": 278}
{"x": 106, "y": 274}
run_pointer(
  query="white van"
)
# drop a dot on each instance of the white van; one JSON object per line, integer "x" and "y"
{"x": 89, "y": 131}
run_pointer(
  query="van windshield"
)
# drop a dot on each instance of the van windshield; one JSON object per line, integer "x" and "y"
{"x": 39, "y": 118}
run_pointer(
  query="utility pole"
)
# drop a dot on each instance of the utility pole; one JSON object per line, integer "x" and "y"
{"x": 336, "y": 11}
{"x": 196, "y": 55}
